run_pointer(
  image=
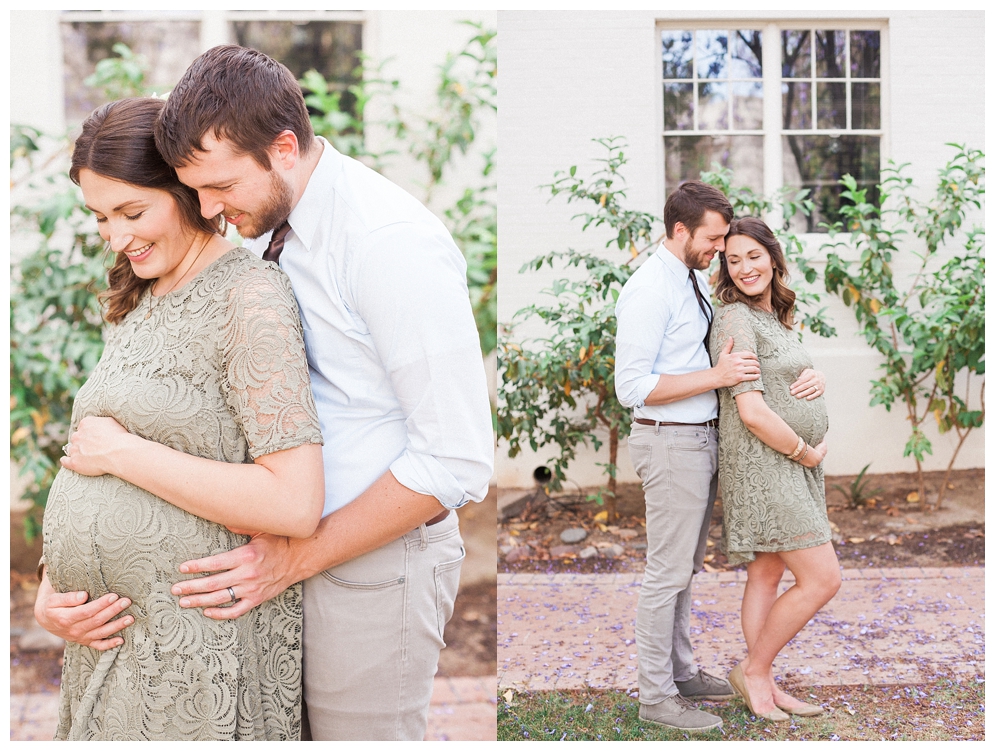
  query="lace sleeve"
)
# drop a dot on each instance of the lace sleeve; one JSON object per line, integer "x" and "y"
{"x": 736, "y": 321}
{"x": 265, "y": 366}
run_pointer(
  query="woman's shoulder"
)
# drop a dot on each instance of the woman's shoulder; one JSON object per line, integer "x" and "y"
{"x": 732, "y": 311}
{"x": 240, "y": 268}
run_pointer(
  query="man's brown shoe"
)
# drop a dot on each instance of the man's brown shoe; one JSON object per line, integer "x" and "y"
{"x": 705, "y": 687}
{"x": 678, "y": 713}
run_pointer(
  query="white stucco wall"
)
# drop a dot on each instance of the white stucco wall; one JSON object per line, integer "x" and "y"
{"x": 569, "y": 77}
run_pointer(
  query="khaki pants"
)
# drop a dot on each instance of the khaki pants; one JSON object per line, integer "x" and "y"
{"x": 372, "y": 635}
{"x": 678, "y": 466}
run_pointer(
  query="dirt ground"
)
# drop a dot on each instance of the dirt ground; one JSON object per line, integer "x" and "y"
{"x": 471, "y": 635}
{"x": 891, "y": 530}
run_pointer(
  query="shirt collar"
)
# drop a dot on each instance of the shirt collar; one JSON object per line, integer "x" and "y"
{"x": 306, "y": 215}
{"x": 672, "y": 263}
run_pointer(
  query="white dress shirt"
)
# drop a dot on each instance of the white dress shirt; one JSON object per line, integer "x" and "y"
{"x": 661, "y": 330}
{"x": 392, "y": 348}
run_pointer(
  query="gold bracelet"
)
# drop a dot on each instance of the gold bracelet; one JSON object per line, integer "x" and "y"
{"x": 798, "y": 449}
{"x": 801, "y": 458}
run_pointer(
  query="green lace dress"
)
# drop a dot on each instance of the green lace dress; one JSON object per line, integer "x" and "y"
{"x": 216, "y": 369}
{"x": 769, "y": 503}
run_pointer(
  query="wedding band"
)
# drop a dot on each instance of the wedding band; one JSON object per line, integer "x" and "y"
{"x": 232, "y": 593}
{"x": 65, "y": 449}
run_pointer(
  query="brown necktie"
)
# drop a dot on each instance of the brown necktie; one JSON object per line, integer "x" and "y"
{"x": 275, "y": 247}
{"x": 705, "y": 306}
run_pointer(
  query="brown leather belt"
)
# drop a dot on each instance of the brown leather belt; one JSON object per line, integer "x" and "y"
{"x": 709, "y": 424}
{"x": 436, "y": 519}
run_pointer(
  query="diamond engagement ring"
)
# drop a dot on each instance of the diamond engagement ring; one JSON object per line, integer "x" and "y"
{"x": 65, "y": 449}
{"x": 232, "y": 593}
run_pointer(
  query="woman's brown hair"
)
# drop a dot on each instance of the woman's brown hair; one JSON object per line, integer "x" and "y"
{"x": 782, "y": 298}
{"x": 117, "y": 142}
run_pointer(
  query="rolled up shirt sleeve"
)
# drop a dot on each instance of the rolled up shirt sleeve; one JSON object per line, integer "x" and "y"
{"x": 642, "y": 316}
{"x": 411, "y": 292}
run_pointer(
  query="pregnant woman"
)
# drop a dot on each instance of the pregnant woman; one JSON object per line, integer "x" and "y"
{"x": 771, "y": 447}
{"x": 198, "y": 418}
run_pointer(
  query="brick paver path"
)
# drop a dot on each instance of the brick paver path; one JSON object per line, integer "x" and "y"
{"x": 463, "y": 709}
{"x": 885, "y": 626}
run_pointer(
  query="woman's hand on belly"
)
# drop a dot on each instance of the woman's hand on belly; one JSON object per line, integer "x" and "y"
{"x": 810, "y": 385}
{"x": 92, "y": 447}
{"x": 69, "y": 616}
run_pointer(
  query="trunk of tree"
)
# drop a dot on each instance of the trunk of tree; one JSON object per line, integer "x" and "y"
{"x": 910, "y": 405}
{"x": 950, "y": 467}
{"x": 922, "y": 485}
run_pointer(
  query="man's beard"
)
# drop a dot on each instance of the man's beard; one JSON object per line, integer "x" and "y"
{"x": 692, "y": 259}
{"x": 272, "y": 213}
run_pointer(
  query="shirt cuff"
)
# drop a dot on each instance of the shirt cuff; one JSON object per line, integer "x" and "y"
{"x": 425, "y": 474}
{"x": 644, "y": 387}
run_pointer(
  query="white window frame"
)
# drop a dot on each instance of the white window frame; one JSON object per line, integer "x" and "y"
{"x": 772, "y": 131}
{"x": 213, "y": 23}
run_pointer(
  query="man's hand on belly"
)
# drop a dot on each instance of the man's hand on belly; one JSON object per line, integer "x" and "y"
{"x": 70, "y": 616}
{"x": 255, "y": 572}
{"x": 269, "y": 564}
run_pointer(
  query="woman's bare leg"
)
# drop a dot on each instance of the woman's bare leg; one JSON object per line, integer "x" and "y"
{"x": 817, "y": 579}
{"x": 763, "y": 575}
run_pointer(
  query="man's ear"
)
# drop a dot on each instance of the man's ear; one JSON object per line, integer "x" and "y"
{"x": 284, "y": 151}
{"x": 680, "y": 230}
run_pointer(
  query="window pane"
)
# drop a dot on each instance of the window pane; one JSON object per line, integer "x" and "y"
{"x": 328, "y": 47}
{"x": 747, "y": 105}
{"x": 746, "y": 54}
{"x": 866, "y": 105}
{"x": 831, "y": 106}
{"x": 688, "y": 156}
{"x": 818, "y": 162}
{"x": 713, "y": 106}
{"x": 168, "y": 46}
{"x": 796, "y": 54}
{"x": 678, "y": 106}
{"x": 712, "y": 48}
{"x": 796, "y": 105}
{"x": 865, "y": 54}
{"x": 830, "y": 52}
{"x": 677, "y": 54}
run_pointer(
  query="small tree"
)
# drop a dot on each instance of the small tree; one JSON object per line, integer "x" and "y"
{"x": 55, "y": 320}
{"x": 559, "y": 390}
{"x": 338, "y": 111}
{"x": 466, "y": 92}
{"x": 562, "y": 391}
{"x": 933, "y": 329}
{"x": 55, "y": 323}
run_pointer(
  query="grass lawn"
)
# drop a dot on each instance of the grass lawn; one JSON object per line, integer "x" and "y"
{"x": 945, "y": 710}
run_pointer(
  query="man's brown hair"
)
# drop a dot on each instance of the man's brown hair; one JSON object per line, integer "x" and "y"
{"x": 688, "y": 204}
{"x": 237, "y": 94}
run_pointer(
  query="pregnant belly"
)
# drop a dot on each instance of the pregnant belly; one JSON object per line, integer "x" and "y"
{"x": 102, "y": 534}
{"x": 808, "y": 419}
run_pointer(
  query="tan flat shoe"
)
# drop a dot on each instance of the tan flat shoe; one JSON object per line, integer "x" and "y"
{"x": 738, "y": 681}
{"x": 805, "y": 710}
